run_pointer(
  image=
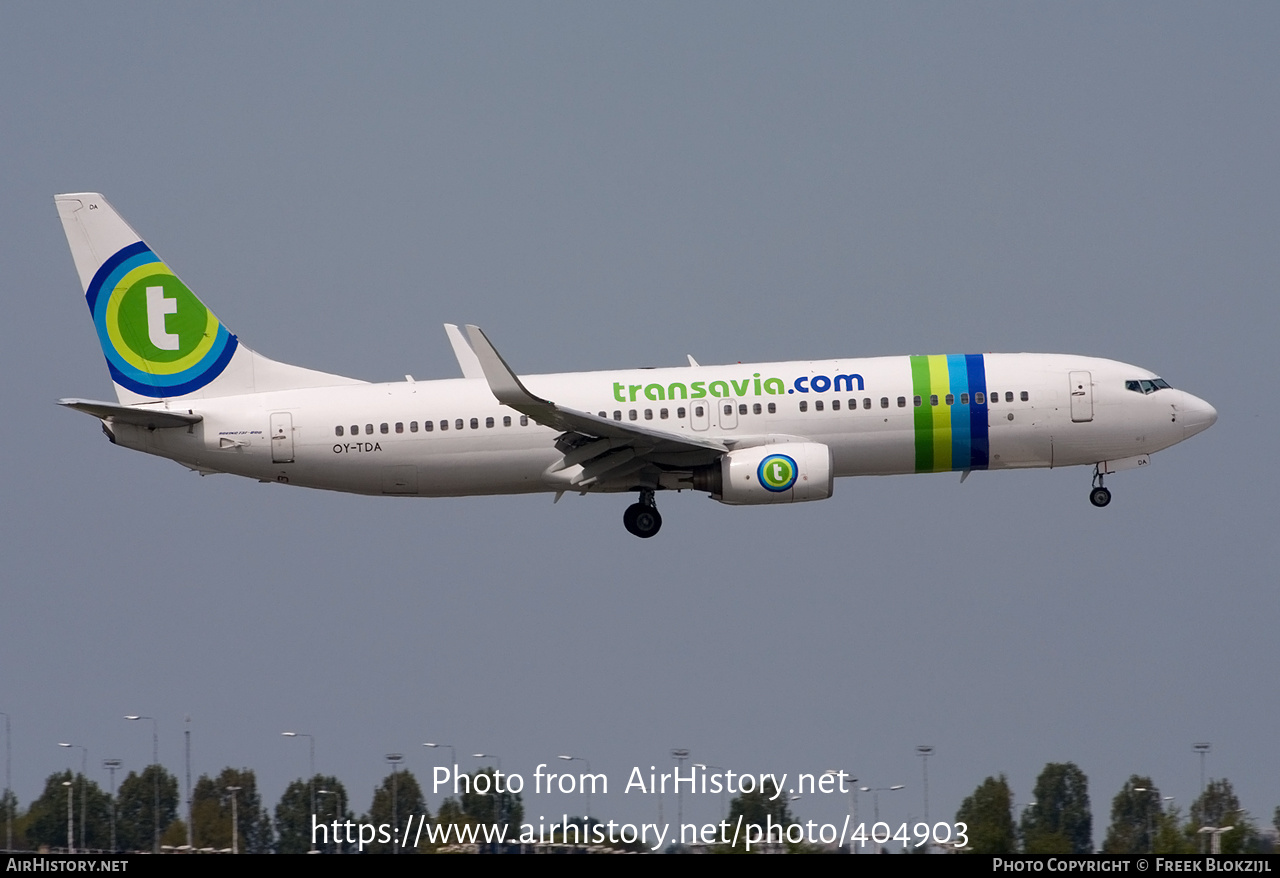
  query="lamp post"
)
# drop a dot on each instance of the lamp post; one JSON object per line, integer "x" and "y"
{"x": 155, "y": 773}
{"x": 1151, "y": 836}
{"x": 499, "y": 801}
{"x": 111, "y": 765}
{"x": 191, "y": 843}
{"x": 395, "y": 760}
{"x": 71, "y": 839}
{"x": 235, "y": 819}
{"x": 925, "y": 752}
{"x": 8, "y": 808}
{"x": 84, "y": 770}
{"x": 587, "y": 790}
{"x": 311, "y": 781}
{"x": 847, "y": 777}
{"x": 337, "y": 795}
{"x": 724, "y": 812}
{"x": 679, "y": 754}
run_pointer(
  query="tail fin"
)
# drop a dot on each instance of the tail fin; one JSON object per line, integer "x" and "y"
{"x": 160, "y": 340}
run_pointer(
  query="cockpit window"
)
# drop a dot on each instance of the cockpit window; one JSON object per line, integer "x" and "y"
{"x": 1144, "y": 386}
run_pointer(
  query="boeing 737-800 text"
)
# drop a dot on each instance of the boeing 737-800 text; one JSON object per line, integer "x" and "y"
{"x": 186, "y": 389}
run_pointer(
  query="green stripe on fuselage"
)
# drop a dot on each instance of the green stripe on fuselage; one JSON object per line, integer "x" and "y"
{"x": 923, "y": 418}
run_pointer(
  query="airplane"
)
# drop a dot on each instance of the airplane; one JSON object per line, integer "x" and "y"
{"x": 746, "y": 434}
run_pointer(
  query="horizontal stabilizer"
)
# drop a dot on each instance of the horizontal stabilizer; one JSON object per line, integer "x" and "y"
{"x": 152, "y": 419}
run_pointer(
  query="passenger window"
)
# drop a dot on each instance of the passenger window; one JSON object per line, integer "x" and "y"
{"x": 631, "y": 414}
{"x": 728, "y": 409}
{"x": 884, "y": 402}
{"x": 457, "y": 424}
{"x": 1008, "y": 396}
{"x": 917, "y": 399}
{"x": 355, "y": 429}
{"x": 933, "y": 399}
{"x": 488, "y": 422}
{"x": 756, "y": 408}
{"x": 951, "y": 399}
{"x": 853, "y": 405}
{"x": 804, "y": 406}
{"x": 817, "y": 405}
{"x": 994, "y": 398}
{"x": 444, "y": 425}
{"x": 383, "y": 427}
{"x": 399, "y": 426}
{"x": 977, "y": 398}
{"x": 699, "y": 411}
{"x": 413, "y": 426}
{"x": 617, "y": 415}
{"x": 964, "y": 399}
{"x": 902, "y": 402}
{"x": 835, "y": 405}
{"x": 664, "y": 413}
{"x": 648, "y": 414}
{"x": 742, "y": 409}
{"x": 337, "y": 431}
{"x": 428, "y": 426}
{"x": 866, "y": 402}
{"x": 680, "y": 412}
{"x": 524, "y": 420}
{"x": 1026, "y": 397}
{"x": 368, "y": 429}
{"x": 773, "y": 408}
{"x": 506, "y": 419}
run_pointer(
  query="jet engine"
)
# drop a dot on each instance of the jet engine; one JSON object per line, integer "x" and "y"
{"x": 788, "y": 472}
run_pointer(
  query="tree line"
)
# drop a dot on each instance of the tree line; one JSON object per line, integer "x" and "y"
{"x": 145, "y": 815}
{"x": 131, "y": 821}
{"x": 1058, "y": 819}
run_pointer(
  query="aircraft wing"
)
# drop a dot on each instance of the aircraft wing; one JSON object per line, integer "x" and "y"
{"x": 619, "y": 447}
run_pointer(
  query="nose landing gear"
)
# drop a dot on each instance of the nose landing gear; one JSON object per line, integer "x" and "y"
{"x": 642, "y": 519}
{"x": 1099, "y": 495}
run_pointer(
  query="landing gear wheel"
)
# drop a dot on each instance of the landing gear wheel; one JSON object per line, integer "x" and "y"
{"x": 642, "y": 520}
{"x": 1100, "y": 497}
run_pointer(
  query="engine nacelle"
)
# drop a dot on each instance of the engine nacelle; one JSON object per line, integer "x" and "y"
{"x": 788, "y": 472}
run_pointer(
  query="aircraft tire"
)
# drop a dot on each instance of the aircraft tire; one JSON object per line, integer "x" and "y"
{"x": 642, "y": 521}
{"x": 1100, "y": 497}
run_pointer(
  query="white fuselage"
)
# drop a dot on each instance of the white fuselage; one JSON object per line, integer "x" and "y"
{"x": 1051, "y": 410}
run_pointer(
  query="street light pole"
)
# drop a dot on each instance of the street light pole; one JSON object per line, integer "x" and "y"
{"x": 586, "y": 828}
{"x": 235, "y": 819}
{"x": 84, "y": 771}
{"x": 71, "y": 838}
{"x": 8, "y": 809}
{"x": 191, "y": 844}
{"x": 395, "y": 759}
{"x": 111, "y": 765}
{"x": 680, "y": 754}
{"x": 925, "y": 752}
{"x": 155, "y": 773}
{"x": 311, "y": 782}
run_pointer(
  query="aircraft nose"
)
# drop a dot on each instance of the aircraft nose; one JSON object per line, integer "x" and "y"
{"x": 1198, "y": 415}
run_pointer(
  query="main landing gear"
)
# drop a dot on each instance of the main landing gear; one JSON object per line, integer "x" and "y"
{"x": 1099, "y": 496}
{"x": 642, "y": 519}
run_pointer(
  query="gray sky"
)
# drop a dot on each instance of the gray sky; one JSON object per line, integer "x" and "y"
{"x": 605, "y": 186}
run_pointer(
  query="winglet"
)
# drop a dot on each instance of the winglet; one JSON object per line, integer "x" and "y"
{"x": 692, "y": 361}
{"x": 502, "y": 381}
{"x": 467, "y": 360}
